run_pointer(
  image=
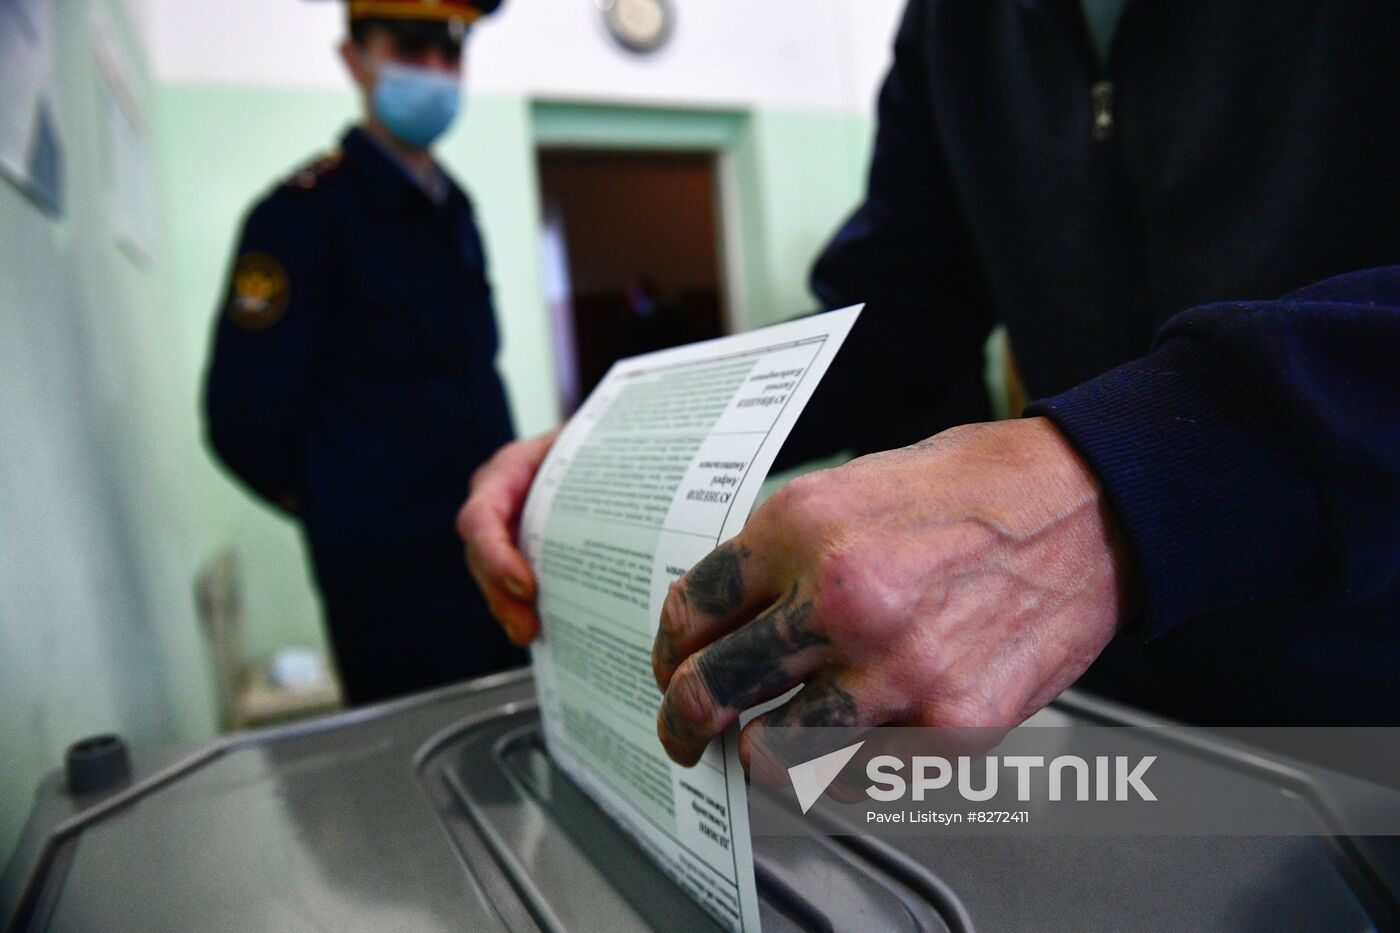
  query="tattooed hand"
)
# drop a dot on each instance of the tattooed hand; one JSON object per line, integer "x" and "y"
{"x": 963, "y": 581}
{"x": 488, "y": 523}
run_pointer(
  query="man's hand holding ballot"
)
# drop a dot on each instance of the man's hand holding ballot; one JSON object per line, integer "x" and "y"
{"x": 963, "y": 581}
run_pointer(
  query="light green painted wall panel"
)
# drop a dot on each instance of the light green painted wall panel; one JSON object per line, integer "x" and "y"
{"x": 618, "y": 127}
{"x": 493, "y": 153}
{"x": 809, "y": 174}
{"x": 97, "y": 620}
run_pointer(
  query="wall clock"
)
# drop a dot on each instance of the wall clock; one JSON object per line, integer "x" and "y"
{"x": 639, "y": 25}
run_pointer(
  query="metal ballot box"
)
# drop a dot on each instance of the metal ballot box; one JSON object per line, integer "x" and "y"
{"x": 444, "y": 812}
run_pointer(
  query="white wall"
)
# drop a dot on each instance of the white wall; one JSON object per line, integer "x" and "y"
{"x": 826, "y": 55}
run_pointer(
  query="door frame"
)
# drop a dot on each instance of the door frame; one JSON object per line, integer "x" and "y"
{"x": 725, "y": 134}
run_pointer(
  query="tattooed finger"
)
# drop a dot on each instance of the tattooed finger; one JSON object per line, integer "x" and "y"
{"x": 751, "y": 664}
{"x": 756, "y": 662}
{"x": 821, "y": 703}
{"x": 716, "y": 584}
{"x": 704, "y": 604}
{"x": 829, "y": 704}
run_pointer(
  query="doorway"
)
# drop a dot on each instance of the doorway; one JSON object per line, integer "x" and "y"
{"x": 632, "y": 256}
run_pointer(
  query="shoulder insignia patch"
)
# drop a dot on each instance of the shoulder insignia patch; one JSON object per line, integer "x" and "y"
{"x": 311, "y": 175}
{"x": 260, "y": 292}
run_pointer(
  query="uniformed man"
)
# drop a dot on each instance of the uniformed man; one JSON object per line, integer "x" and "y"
{"x": 1183, "y": 212}
{"x": 353, "y": 381}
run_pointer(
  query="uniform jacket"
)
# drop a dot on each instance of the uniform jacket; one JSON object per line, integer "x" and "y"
{"x": 1176, "y": 241}
{"x": 353, "y": 369}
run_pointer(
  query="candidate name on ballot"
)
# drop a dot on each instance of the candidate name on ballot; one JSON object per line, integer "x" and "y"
{"x": 662, "y": 463}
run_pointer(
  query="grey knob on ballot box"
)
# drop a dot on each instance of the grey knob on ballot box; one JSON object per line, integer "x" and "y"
{"x": 97, "y": 763}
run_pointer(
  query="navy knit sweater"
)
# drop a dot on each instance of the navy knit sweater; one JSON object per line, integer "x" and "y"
{"x": 1236, "y": 162}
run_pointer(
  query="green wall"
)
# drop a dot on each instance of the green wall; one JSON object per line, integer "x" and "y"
{"x": 808, "y": 173}
{"x": 99, "y": 502}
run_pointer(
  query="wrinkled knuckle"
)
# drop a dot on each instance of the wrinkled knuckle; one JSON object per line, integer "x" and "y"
{"x": 675, "y": 610}
{"x": 838, "y": 593}
{"x": 802, "y": 502}
{"x": 836, "y": 568}
{"x": 660, "y": 664}
{"x": 853, "y": 594}
{"x": 691, "y": 698}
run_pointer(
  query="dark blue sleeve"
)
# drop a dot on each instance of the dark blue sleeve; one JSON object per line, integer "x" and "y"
{"x": 907, "y": 253}
{"x": 260, "y": 378}
{"x": 1255, "y": 453}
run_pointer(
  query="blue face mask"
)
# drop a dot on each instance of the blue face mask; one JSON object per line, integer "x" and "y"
{"x": 415, "y": 104}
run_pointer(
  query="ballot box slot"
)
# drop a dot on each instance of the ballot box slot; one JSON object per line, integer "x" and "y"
{"x": 554, "y": 850}
{"x": 812, "y": 882}
{"x": 567, "y": 866}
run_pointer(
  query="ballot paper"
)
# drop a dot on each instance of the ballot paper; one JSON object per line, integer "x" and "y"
{"x": 662, "y": 463}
